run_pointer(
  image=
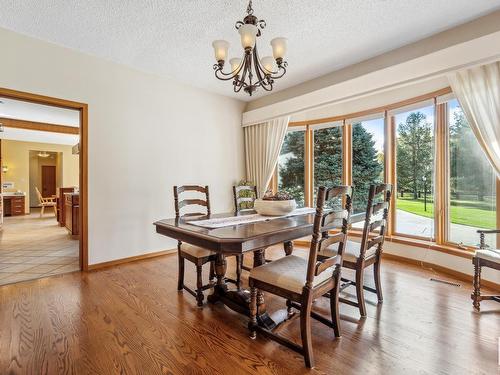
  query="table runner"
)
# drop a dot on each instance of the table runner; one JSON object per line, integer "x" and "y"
{"x": 221, "y": 222}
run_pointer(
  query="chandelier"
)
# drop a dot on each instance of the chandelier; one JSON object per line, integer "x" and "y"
{"x": 250, "y": 71}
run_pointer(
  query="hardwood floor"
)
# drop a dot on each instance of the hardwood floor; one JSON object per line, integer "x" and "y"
{"x": 130, "y": 319}
{"x": 32, "y": 247}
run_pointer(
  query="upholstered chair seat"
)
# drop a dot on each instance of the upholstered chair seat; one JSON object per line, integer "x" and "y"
{"x": 288, "y": 273}
{"x": 351, "y": 251}
{"x": 195, "y": 251}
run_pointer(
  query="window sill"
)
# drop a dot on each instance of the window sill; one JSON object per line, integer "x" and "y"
{"x": 467, "y": 253}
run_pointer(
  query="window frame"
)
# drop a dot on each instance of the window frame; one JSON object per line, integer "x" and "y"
{"x": 441, "y": 169}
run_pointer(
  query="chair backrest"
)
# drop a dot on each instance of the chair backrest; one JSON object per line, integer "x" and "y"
{"x": 39, "y": 195}
{"x": 244, "y": 197}
{"x": 178, "y": 190}
{"x": 336, "y": 217}
{"x": 377, "y": 211}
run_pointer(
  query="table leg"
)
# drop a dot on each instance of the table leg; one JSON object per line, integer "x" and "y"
{"x": 288, "y": 247}
{"x": 264, "y": 319}
{"x": 239, "y": 300}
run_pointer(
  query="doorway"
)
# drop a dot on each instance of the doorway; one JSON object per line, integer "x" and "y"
{"x": 48, "y": 180}
{"x": 49, "y": 174}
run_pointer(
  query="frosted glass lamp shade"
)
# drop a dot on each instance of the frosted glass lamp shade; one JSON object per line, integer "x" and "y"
{"x": 235, "y": 64}
{"x": 220, "y": 49}
{"x": 268, "y": 63}
{"x": 248, "y": 33}
{"x": 279, "y": 47}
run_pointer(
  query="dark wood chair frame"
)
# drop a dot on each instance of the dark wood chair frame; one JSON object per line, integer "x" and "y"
{"x": 478, "y": 263}
{"x": 323, "y": 221}
{"x": 288, "y": 246}
{"x": 197, "y": 261}
{"x": 370, "y": 239}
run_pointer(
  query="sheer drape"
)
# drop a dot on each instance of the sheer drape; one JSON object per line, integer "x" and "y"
{"x": 262, "y": 149}
{"x": 478, "y": 91}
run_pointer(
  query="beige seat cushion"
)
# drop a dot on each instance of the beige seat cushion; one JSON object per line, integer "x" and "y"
{"x": 288, "y": 273}
{"x": 493, "y": 255}
{"x": 351, "y": 251}
{"x": 195, "y": 251}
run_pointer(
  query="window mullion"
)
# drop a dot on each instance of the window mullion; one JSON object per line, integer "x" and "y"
{"x": 442, "y": 175}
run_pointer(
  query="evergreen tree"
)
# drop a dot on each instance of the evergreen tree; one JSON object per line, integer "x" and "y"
{"x": 328, "y": 162}
{"x": 366, "y": 168}
{"x": 414, "y": 153}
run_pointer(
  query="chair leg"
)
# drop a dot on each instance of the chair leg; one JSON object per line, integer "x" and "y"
{"x": 199, "y": 285}
{"x": 180, "y": 280}
{"x": 55, "y": 210}
{"x": 476, "y": 293}
{"x": 359, "y": 291}
{"x": 252, "y": 323}
{"x": 239, "y": 265}
{"x": 305, "y": 332}
{"x": 289, "y": 309}
{"x": 41, "y": 211}
{"x": 334, "y": 306}
{"x": 376, "y": 275}
{"x": 211, "y": 275}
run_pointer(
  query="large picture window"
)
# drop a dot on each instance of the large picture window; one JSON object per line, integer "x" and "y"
{"x": 472, "y": 191}
{"x": 291, "y": 165}
{"x": 367, "y": 159}
{"x": 327, "y": 157}
{"x": 414, "y": 172}
{"x": 433, "y": 160}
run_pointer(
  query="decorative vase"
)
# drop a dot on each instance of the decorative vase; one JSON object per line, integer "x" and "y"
{"x": 274, "y": 208}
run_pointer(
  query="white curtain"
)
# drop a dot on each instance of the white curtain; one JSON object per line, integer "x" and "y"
{"x": 478, "y": 91}
{"x": 262, "y": 149}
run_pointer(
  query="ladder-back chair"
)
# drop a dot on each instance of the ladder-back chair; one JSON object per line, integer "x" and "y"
{"x": 359, "y": 255}
{"x": 300, "y": 281}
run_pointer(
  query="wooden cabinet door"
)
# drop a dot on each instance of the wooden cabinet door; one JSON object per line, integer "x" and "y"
{"x": 48, "y": 180}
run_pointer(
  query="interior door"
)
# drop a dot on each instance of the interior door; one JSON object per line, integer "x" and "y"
{"x": 48, "y": 180}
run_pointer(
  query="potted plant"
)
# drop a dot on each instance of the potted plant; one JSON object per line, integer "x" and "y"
{"x": 277, "y": 204}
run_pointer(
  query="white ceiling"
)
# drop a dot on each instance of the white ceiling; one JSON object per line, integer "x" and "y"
{"x": 20, "y": 110}
{"x": 173, "y": 38}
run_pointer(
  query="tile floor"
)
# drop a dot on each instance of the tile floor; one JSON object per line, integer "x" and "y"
{"x": 32, "y": 247}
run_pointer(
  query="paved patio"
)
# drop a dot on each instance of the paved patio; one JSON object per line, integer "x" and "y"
{"x": 416, "y": 225}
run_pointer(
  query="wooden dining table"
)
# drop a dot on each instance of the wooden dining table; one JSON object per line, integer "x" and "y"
{"x": 235, "y": 240}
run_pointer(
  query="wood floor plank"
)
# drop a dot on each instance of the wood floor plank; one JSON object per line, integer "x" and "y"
{"x": 130, "y": 319}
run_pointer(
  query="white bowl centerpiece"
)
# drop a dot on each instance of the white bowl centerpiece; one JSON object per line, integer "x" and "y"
{"x": 278, "y": 204}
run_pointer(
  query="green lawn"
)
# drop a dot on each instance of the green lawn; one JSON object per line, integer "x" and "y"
{"x": 470, "y": 213}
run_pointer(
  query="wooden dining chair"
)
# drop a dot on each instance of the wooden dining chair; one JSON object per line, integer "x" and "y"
{"x": 244, "y": 197}
{"x": 484, "y": 257}
{"x": 46, "y": 202}
{"x": 358, "y": 256}
{"x": 195, "y": 254}
{"x": 300, "y": 281}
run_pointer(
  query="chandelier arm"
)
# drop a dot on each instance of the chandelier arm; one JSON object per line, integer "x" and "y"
{"x": 241, "y": 81}
{"x": 219, "y": 74}
{"x": 265, "y": 78}
{"x": 259, "y": 70}
{"x": 283, "y": 72}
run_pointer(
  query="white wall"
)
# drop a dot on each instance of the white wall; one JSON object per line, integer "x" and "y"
{"x": 145, "y": 135}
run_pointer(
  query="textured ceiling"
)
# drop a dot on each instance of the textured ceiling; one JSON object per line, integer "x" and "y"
{"x": 173, "y": 38}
